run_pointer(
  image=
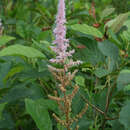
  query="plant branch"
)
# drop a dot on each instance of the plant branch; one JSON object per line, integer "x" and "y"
{"x": 97, "y": 109}
{"x": 93, "y": 106}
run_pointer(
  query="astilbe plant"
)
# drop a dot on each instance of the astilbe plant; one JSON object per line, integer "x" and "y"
{"x": 63, "y": 75}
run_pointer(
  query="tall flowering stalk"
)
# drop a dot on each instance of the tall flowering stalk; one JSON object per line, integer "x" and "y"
{"x": 63, "y": 75}
{"x": 60, "y": 38}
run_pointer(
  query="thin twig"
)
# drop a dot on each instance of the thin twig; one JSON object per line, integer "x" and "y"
{"x": 93, "y": 106}
{"x": 97, "y": 109}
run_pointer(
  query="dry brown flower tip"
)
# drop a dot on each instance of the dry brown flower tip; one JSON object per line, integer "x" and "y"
{"x": 62, "y": 89}
{"x": 82, "y": 112}
{"x": 73, "y": 92}
{"x": 55, "y": 98}
{"x": 77, "y": 127}
{"x": 62, "y": 122}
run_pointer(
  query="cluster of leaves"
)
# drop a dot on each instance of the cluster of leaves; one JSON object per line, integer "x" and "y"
{"x": 101, "y": 38}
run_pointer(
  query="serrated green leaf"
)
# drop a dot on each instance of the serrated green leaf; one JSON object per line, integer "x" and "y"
{"x": 89, "y": 30}
{"x": 80, "y": 80}
{"x": 106, "y": 12}
{"x": 5, "y": 39}
{"x": 123, "y": 79}
{"x": 13, "y": 71}
{"x": 39, "y": 114}
{"x": 124, "y": 116}
{"x": 108, "y": 49}
{"x": 22, "y": 51}
{"x": 99, "y": 72}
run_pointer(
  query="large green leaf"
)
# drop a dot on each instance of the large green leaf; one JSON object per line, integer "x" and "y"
{"x": 21, "y": 91}
{"x": 123, "y": 79}
{"x": 21, "y": 50}
{"x": 124, "y": 116}
{"x": 91, "y": 53}
{"x": 89, "y": 30}
{"x": 108, "y": 49}
{"x": 4, "y": 39}
{"x": 112, "y": 52}
{"x": 39, "y": 113}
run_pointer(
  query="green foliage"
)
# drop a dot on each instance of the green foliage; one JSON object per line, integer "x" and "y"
{"x": 118, "y": 22}
{"x": 22, "y": 51}
{"x": 123, "y": 79}
{"x": 106, "y": 12}
{"x": 99, "y": 31}
{"x": 7, "y": 122}
{"x": 108, "y": 49}
{"x": 99, "y": 72}
{"x": 80, "y": 80}
{"x": 1, "y": 109}
{"x": 124, "y": 116}
{"x": 22, "y": 91}
{"x": 38, "y": 108}
{"x": 5, "y": 39}
{"x": 4, "y": 69}
{"x": 90, "y": 54}
{"x": 89, "y": 30}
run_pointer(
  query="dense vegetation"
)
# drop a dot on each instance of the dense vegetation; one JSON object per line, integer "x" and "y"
{"x": 98, "y": 30}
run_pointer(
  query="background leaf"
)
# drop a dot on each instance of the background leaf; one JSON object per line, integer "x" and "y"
{"x": 5, "y": 39}
{"x": 108, "y": 49}
{"x": 1, "y": 109}
{"x": 22, "y": 91}
{"x": 123, "y": 79}
{"x": 99, "y": 72}
{"x": 7, "y": 123}
{"x": 118, "y": 22}
{"x": 106, "y": 12}
{"x": 89, "y": 30}
{"x": 124, "y": 116}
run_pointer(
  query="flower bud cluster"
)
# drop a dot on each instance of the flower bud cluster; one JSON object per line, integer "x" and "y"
{"x": 61, "y": 44}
